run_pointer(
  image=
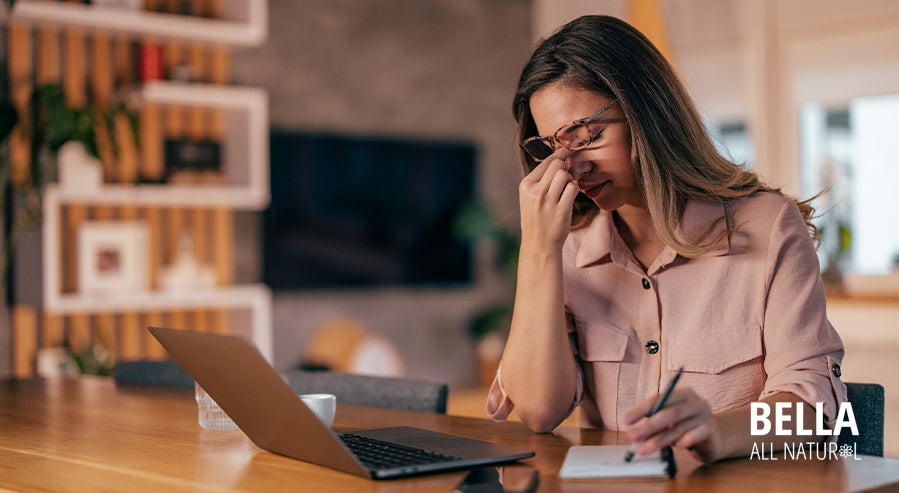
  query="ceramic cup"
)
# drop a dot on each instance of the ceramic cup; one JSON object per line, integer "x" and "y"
{"x": 323, "y": 405}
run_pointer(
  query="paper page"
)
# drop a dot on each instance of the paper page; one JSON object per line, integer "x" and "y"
{"x": 607, "y": 461}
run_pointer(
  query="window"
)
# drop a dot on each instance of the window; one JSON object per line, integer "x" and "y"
{"x": 853, "y": 152}
{"x": 732, "y": 141}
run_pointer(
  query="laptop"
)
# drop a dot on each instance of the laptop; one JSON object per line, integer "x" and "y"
{"x": 267, "y": 410}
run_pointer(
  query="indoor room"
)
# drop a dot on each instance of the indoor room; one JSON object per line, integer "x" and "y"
{"x": 337, "y": 182}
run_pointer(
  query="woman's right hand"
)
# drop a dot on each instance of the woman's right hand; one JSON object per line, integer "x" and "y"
{"x": 546, "y": 197}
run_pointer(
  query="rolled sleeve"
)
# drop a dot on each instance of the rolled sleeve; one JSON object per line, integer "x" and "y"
{"x": 499, "y": 406}
{"x": 802, "y": 347}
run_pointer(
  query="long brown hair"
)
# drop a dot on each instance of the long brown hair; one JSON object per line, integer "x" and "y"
{"x": 674, "y": 160}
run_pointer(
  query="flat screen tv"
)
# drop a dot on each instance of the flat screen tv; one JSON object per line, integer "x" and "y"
{"x": 350, "y": 211}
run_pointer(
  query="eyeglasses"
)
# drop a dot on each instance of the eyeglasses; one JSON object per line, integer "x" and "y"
{"x": 574, "y": 136}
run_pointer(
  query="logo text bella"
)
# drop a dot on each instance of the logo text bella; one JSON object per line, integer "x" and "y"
{"x": 761, "y": 425}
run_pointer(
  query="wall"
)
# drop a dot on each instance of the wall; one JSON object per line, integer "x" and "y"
{"x": 705, "y": 38}
{"x": 419, "y": 68}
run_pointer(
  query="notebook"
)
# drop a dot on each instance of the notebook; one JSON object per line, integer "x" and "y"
{"x": 268, "y": 411}
{"x": 607, "y": 461}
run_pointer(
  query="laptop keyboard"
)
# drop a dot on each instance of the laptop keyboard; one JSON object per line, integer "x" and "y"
{"x": 377, "y": 454}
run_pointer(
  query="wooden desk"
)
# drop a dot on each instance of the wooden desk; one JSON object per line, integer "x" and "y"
{"x": 89, "y": 435}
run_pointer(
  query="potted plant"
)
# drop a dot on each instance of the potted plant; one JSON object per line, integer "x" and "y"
{"x": 50, "y": 123}
{"x": 489, "y": 325}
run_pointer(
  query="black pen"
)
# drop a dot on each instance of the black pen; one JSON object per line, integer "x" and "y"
{"x": 660, "y": 403}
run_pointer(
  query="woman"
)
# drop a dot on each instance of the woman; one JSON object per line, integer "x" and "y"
{"x": 651, "y": 252}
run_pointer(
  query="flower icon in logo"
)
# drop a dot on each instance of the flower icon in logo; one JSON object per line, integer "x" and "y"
{"x": 846, "y": 451}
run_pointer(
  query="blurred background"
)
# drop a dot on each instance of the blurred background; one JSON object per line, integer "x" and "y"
{"x": 337, "y": 179}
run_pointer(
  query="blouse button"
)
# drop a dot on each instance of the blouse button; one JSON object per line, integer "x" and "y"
{"x": 652, "y": 347}
{"x": 646, "y": 284}
{"x": 837, "y": 372}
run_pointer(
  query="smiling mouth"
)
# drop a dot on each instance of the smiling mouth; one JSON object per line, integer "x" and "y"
{"x": 594, "y": 192}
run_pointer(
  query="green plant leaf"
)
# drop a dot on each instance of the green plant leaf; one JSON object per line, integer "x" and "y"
{"x": 488, "y": 320}
{"x": 845, "y": 238}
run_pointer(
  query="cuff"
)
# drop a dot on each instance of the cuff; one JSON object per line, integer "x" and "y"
{"x": 813, "y": 381}
{"x": 499, "y": 406}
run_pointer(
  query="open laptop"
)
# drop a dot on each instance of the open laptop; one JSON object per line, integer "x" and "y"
{"x": 268, "y": 411}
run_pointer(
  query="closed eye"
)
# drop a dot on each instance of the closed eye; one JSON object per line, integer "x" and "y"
{"x": 600, "y": 126}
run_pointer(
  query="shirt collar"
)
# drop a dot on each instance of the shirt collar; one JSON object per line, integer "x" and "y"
{"x": 603, "y": 243}
{"x": 599, "y": 234}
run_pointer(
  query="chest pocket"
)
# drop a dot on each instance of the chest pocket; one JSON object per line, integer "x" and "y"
{"x": 715, "y": 351}
{"x": 597, "y": 343}
{"x": 723, "y": 367}
{"x": 602, "y": 350}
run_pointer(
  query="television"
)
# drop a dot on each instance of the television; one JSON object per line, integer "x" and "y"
{"x": 357, "y": 211}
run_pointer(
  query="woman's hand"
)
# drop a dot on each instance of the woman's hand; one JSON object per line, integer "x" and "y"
{"x": 546, "y": 196}
{"x": 686, "y": 421}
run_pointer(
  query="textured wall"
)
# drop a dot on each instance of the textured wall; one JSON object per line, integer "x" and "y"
{"x": 409, "y": 68}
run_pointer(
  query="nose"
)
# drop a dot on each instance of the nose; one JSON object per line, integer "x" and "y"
{"x": 577, "y": 167}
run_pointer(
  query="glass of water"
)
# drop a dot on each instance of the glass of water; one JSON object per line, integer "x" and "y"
{"x": 210, "y": 415}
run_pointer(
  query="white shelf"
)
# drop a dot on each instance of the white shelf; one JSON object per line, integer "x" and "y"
{"x": 245, "y": 155}
{"x": 236, "y": 296}
{"x": 245, "y": 22}
{"x": 220, "y": 96}
{"x": 54, "y": 197}
{"x": 158, "y": 195}
{"x": 245, "y": 146}
{"x": 254, "y": 297}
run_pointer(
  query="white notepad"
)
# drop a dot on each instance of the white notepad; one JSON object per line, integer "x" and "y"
{"x": 607, "y": 461}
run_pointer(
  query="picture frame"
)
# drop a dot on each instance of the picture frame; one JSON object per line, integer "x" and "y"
{"x": 113, "y": 257}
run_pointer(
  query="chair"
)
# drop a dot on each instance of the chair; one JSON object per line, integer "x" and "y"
{"x": 868, "y": 406}
{"x": 166, "y": 373}
{"x": 361, "y": 390}
{"x": 366, "y": 390}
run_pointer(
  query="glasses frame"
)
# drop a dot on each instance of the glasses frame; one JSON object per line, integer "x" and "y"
{"x": 554, "y": 136}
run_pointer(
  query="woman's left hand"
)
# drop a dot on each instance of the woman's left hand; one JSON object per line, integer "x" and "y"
{"x": 686, "y": 421}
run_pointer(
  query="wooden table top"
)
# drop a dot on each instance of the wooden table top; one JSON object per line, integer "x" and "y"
{"x": 87, "y": 434}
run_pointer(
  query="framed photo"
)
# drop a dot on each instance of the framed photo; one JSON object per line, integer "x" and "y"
{"x": 112, "y": 256}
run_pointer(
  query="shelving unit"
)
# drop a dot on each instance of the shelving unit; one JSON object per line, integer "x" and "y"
{"x": 241, "y": 116}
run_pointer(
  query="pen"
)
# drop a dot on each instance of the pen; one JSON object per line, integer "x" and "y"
{"x": 660, "y": 403}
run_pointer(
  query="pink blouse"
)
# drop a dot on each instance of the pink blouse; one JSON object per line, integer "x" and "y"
{"x": 745, "y": 321}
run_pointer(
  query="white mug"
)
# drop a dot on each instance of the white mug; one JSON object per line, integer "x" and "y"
{"x": 323, "y": 405}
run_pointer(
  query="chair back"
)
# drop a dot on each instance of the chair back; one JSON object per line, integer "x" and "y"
{"x": 360, "y": 390}
{"x": 868, "y": 407}
{"x": 165, "y": 373}
{"x": 374, "y": 391}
